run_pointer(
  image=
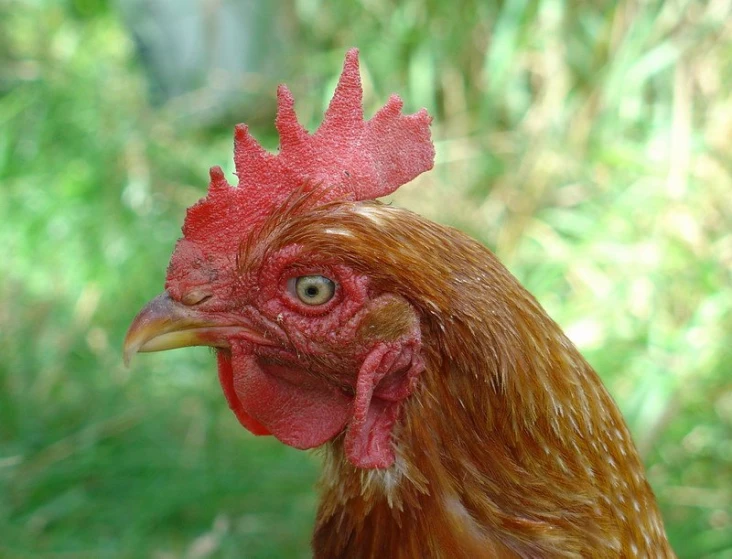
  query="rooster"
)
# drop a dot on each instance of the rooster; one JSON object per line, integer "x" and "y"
{"x": 457, "y": 420}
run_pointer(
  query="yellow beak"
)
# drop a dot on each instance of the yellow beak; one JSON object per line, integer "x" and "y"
{"x": 167, "y": 324}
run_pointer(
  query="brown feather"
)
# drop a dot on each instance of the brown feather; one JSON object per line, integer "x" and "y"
{"x": 510, "y": 447}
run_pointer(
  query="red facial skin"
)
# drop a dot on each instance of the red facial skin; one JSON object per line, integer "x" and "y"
{"x": 320, "y": 373}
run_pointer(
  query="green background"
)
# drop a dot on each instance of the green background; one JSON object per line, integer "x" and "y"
{"x": 589, "y": 144}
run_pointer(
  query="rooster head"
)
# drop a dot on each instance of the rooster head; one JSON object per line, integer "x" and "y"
{"x": 309, "y": 347}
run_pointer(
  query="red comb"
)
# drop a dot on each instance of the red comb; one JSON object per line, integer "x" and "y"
{"x": 354, "y": 159}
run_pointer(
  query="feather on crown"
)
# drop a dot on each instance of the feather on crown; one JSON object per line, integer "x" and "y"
{"x": 352, "y": 158}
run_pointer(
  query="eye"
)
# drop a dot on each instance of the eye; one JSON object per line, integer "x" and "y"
{"x": 314, "y": 290}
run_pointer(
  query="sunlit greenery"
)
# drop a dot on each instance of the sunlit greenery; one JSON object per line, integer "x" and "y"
{"x": 587, "y": 143}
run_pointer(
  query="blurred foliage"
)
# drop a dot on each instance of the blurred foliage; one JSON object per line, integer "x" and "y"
{"x": 587, "y": 143}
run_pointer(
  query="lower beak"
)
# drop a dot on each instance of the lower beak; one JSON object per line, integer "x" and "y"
{"x": 167, "y": 324}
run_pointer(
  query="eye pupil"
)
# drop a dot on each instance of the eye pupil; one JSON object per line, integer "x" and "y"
{"x": 314, "y": 290}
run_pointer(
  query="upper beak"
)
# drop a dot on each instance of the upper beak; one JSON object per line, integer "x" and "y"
{"x": 167, "y": 324}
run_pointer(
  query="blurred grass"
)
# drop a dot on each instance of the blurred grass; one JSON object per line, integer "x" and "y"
{"x": 586, "y": 143}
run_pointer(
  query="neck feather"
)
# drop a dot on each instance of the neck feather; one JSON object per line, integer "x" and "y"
{"x": 511, "y": 444}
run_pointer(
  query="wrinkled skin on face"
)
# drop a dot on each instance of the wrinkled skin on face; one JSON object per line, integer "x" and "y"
{"x": 301, "y": 372}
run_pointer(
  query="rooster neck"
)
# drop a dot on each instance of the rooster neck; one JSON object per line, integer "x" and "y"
{"x": 515, "y": 453}
{"x": 509, "y": 446}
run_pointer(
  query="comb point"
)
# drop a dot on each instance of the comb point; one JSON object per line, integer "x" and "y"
{"x": 218, "y": 181}
{"x": 289, "y": 128}
{"x": 392, "y": 109}
{"x": 345, "y": 110}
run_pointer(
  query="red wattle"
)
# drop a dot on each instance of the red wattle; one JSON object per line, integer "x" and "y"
{"x": 226, "y": 378}
{"x": 301, "y": 409}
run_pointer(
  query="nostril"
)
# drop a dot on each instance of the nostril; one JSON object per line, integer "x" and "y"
{"x": 195, "y": 297}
